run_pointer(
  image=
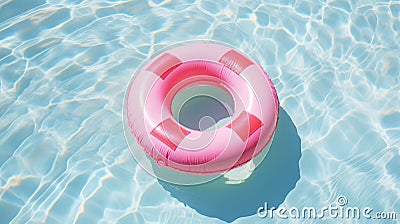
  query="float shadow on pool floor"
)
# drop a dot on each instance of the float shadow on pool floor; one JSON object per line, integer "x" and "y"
{"x": 271, "y": 182}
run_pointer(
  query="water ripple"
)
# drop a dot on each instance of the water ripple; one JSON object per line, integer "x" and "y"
{"x": 64, "y": 66}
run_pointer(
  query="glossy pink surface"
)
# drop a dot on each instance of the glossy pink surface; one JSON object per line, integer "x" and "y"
{"x": 202, "y": 152}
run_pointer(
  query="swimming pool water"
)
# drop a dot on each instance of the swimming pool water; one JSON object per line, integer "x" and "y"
{"x": 64, "y": 67}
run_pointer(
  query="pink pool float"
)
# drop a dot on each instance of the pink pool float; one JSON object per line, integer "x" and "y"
{"x": 212, "y": 151}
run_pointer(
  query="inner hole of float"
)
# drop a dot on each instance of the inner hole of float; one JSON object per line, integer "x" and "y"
{"x": 202, "y": 107}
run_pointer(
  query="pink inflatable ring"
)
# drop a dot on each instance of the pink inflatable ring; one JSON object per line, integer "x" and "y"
{"x": 149, "y": 115}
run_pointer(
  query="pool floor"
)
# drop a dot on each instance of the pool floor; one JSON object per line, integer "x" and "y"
{"x": 65, "y": 66}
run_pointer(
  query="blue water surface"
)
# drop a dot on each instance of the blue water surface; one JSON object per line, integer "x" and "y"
{"x": 64, "y": 67}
